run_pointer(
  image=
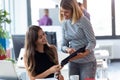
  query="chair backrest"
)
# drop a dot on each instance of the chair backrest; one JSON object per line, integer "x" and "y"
{"x": 7, "y": 71}
{"x": 51, "y": 37}
{"x": 18, "y": 43}
{"x": 20, "y": 62}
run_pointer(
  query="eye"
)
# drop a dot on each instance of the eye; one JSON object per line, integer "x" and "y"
{"x": 40, "y": 37}
{"x": 44, "y": 34}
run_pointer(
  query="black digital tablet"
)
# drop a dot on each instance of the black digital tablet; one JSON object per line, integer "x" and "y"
{"x": 66, "y": 60}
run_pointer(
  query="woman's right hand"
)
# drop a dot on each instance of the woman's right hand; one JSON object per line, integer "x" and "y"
{"x": 70, "y": 50}
{"x": 55, "y": 68}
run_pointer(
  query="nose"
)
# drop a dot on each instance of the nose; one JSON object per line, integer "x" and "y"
{"x": 44, "y": 37}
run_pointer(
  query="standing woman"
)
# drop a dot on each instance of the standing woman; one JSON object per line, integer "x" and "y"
{"x": 40, "y": 58}
{"x": 77, "y": 33}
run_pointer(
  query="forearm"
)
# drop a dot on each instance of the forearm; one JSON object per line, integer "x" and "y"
{"x": 43, "y": 75}
{"x": 49, "y": 71}
{"x": 81, "y": 55}
{"x": 39, "y": 76}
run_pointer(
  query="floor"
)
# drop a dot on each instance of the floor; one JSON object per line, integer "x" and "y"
{"x": 112, "y": 72}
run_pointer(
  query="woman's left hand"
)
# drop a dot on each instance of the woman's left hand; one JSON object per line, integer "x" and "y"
{"x": 80, "y": 55}
{"x": 60, "y": 77}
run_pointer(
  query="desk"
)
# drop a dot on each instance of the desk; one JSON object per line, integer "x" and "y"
{"x": 102, "y": 54}
{"x": 102, "y": 58}
{"x": 22, "y": 74}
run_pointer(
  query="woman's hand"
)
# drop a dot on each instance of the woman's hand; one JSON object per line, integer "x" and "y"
{"x": 60, "y": 77}
{"x": 70, "y": 50}
{"x": 80, "y": 55}
{"x": 55, "y": 68}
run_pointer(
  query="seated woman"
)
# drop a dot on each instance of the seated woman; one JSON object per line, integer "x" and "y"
{"x": 40, "y": 58}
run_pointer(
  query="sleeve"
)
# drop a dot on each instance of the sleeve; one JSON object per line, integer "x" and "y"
{"x": 65, "y": 43}
{"x": 89, "y": 33}
{"x": 87, "y": 15}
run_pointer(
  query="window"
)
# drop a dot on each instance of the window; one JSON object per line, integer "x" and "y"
{"x": 105, "y": 18}
{"x": 1, "y": 4}
{"x": 117, "y": 18}
{"x": 100, "y": 14}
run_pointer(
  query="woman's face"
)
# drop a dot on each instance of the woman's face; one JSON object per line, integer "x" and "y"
{"x": 67, "y": 14}
{"x": 41, "y": 38}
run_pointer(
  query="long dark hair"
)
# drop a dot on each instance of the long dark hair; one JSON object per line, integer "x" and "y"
{"x": 30, "y": 47}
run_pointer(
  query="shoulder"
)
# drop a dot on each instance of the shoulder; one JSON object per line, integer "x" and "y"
{"x": 83, "y": 18}
{"x": 84, "y": 21}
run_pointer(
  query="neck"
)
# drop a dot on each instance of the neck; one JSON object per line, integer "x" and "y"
{"x": 40, "y": 48}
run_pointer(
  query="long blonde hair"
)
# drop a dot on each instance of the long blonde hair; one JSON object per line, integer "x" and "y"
{"x": 74, "y": 7}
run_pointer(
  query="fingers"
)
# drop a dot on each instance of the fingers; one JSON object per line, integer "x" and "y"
{"x": 55, "y": 68}
{"x": 58, "y": 68}
{"x": 61, "y": 77}
{"x": 71, "y": 50}
{"x": 79, "y": 55}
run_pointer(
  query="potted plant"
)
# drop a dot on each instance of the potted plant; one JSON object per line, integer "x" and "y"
{"x": 4, "y": 35}
{"x": 2, "y": 53}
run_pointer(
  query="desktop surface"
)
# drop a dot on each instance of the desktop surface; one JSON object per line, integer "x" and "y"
{"x": 7, "y": 71}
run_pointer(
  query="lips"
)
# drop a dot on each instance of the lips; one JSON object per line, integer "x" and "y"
{"x": 44, "y": 41}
